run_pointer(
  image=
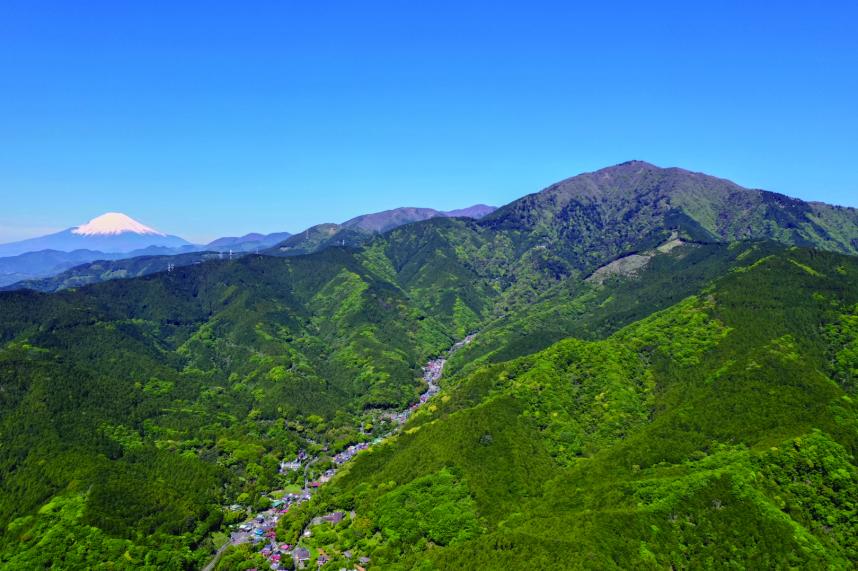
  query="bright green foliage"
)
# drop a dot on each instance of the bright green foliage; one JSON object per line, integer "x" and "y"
{"x": 843, "y": 336}
{"x": 240, "y": 558}
{"x": 705, "y": 435}
{"x": 493, "y": 433}
{"x": 589, "y": 311}
{"x": 681, "y": 334}
{"x": 58, "y": 538}
{"x": 582, "y": 395}
{"x": 434, "y": 507}
{"x": 169, "y": 396}
{"x": 814, "y": 480}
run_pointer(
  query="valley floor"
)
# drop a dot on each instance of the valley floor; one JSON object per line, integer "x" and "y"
{"x": 259, "y": 530}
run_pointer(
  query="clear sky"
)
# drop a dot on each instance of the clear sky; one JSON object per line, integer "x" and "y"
{"x": 213, "y": 118}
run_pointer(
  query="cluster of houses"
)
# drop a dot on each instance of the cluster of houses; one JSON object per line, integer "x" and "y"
{"x": 261, "y": 530}
{"x": 349, "y": 453}
{"x": 432, "y": 370}
{"x": 431, "y": 373}
{"x": 302, "y": 555}
{"x": 289, "y": 499}
{"x": 302, "y": 559}
{"x": 290, "y": 465}
{"x": 332, "y": 518}
{"x": 397, "y": 417}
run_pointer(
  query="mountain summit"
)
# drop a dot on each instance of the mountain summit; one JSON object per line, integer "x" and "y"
{"x": 112, "y": 232}
{"x": 113, "y": 223}
{"x": 634, "y": 205}
{"x": 359, "y": 229}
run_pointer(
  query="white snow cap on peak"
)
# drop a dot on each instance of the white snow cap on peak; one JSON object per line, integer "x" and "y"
{"x": 113, "y": 223}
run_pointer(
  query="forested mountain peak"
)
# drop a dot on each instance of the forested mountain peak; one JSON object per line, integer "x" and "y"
{"x": 388, "y": 219}
{"x": 641, "y": 199}
{"x": 359, "y": 229}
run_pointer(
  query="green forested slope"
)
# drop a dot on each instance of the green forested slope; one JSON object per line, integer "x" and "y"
{"x": 633, "y": 397}
{"x": 146, "y": 404}
{"x": 590, "y": 310}
{"x": 622, "y": 206}
{"x": 719, "y": 432}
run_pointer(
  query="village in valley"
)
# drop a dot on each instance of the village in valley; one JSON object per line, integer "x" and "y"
{"x": 260, "y": 530}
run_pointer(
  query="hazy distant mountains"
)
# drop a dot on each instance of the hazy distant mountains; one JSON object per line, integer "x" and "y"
{"x": 31, "y": 265}
{"x": 47, "y": 263}
{"x": 248, "y": 242}
{"x": 104, "y": 268}
{"x": 107, "y": 237}
{"x": 61, "y": 262}
{"x": 568, "y": 227}
{"x": 390, "y": 219}
{"x": 357, "y": 230}
{"x": 112, "y": 232}
{"x": 476, "y": 212}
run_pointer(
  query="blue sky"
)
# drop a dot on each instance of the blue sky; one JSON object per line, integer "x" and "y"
{"x": 207, "y": 119}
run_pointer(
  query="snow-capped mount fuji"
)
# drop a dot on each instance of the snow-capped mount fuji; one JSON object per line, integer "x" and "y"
{"x": 112, "y": 224}
{"x": 112, "y": 232}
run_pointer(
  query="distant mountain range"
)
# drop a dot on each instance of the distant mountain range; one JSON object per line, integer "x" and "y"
{"x": 357, "y": 230}
{"x": 110, "y": 236}
{"x": 56, "y": 267}
{"x": 34, "y": 265}
{"x": 390, "y": 219}
{"x": 248, "y": 242}
{"x": 623, "y": 207}
{"x": 112, "y": 232}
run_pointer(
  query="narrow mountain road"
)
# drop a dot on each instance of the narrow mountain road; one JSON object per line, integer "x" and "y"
{"x": 211, "y": 564}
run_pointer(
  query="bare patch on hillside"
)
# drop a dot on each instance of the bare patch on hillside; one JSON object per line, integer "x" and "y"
{"x": 629, "y": 266}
